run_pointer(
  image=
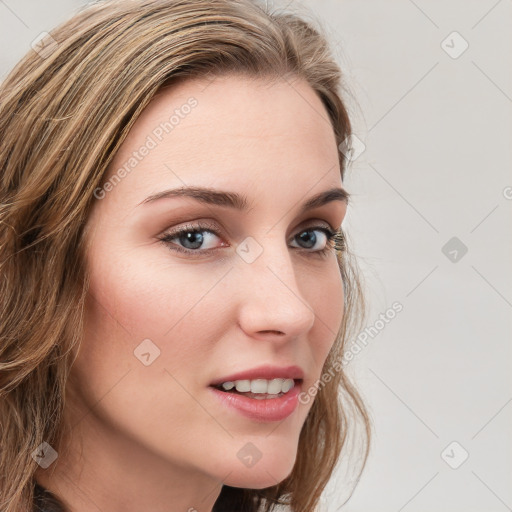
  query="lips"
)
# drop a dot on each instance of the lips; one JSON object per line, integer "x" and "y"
{"x": 260, "y": 407}
{"x": 260, "y": 411}
{"x": 267, "y": 372}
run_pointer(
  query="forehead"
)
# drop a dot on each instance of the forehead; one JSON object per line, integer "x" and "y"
{"x": 232, "y": 129}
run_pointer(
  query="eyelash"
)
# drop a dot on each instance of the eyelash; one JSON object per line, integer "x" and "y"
{"x": 335, "y": 239}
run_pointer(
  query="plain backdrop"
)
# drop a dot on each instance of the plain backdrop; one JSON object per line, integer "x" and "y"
{"x": 429, "y": 85}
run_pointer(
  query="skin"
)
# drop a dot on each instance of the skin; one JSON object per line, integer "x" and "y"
{"x": 153, "y": 437}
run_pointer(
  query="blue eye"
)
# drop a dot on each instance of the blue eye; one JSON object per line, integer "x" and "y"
{"x": 192, "y": 237}
{"x": 309, "y": 237}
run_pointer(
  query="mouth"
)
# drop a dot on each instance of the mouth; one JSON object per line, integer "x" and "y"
{"x": 263, "y": 394}
{"x": 259, "y": 389}
{"x": 260, "y": 400}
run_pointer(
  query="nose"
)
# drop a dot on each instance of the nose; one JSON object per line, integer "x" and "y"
{"x": 272, "y": 304}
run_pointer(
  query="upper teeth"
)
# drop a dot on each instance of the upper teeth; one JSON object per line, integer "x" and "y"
{"x": 271, "y": 387}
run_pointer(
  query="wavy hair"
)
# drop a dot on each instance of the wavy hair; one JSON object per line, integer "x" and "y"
{"x": 64, "y": 113}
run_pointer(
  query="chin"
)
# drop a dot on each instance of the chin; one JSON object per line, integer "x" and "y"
{"x": 268, "y": 471}
{"x": 253, "y": 479}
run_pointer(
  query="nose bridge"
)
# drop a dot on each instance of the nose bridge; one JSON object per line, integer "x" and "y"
{"x": 272, "y": 298}
{"x": 269, "y": 259}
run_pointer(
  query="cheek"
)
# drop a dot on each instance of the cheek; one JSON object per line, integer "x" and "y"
{"x": 174, "y": 306}
{"x": 168, "y": 317}
{"x": 326, "y": 297}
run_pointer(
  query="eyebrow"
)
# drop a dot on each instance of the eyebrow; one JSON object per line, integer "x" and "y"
{"x": 239, "y": 202}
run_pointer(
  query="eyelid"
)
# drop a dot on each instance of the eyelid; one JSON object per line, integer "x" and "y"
{"x": 199, "y": 226}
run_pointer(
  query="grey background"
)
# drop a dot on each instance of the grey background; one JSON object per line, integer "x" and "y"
{"x": 437, "y": 162}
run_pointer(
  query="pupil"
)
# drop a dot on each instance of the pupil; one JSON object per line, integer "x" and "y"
{"x": 189, "y": 237}
{"x": 308, "y": 235}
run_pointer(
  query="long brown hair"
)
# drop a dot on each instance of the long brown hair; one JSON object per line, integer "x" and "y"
{"x": 64, "y": 112}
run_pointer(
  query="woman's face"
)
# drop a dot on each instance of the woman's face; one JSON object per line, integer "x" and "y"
{"x": 249, "y": 290}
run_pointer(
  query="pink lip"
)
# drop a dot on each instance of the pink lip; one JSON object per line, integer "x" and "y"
{"x": 272, "y": 409}
{"x": 264, "y": 372}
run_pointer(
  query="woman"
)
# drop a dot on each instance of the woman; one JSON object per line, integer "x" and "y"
{"x": 176, "y": 288}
